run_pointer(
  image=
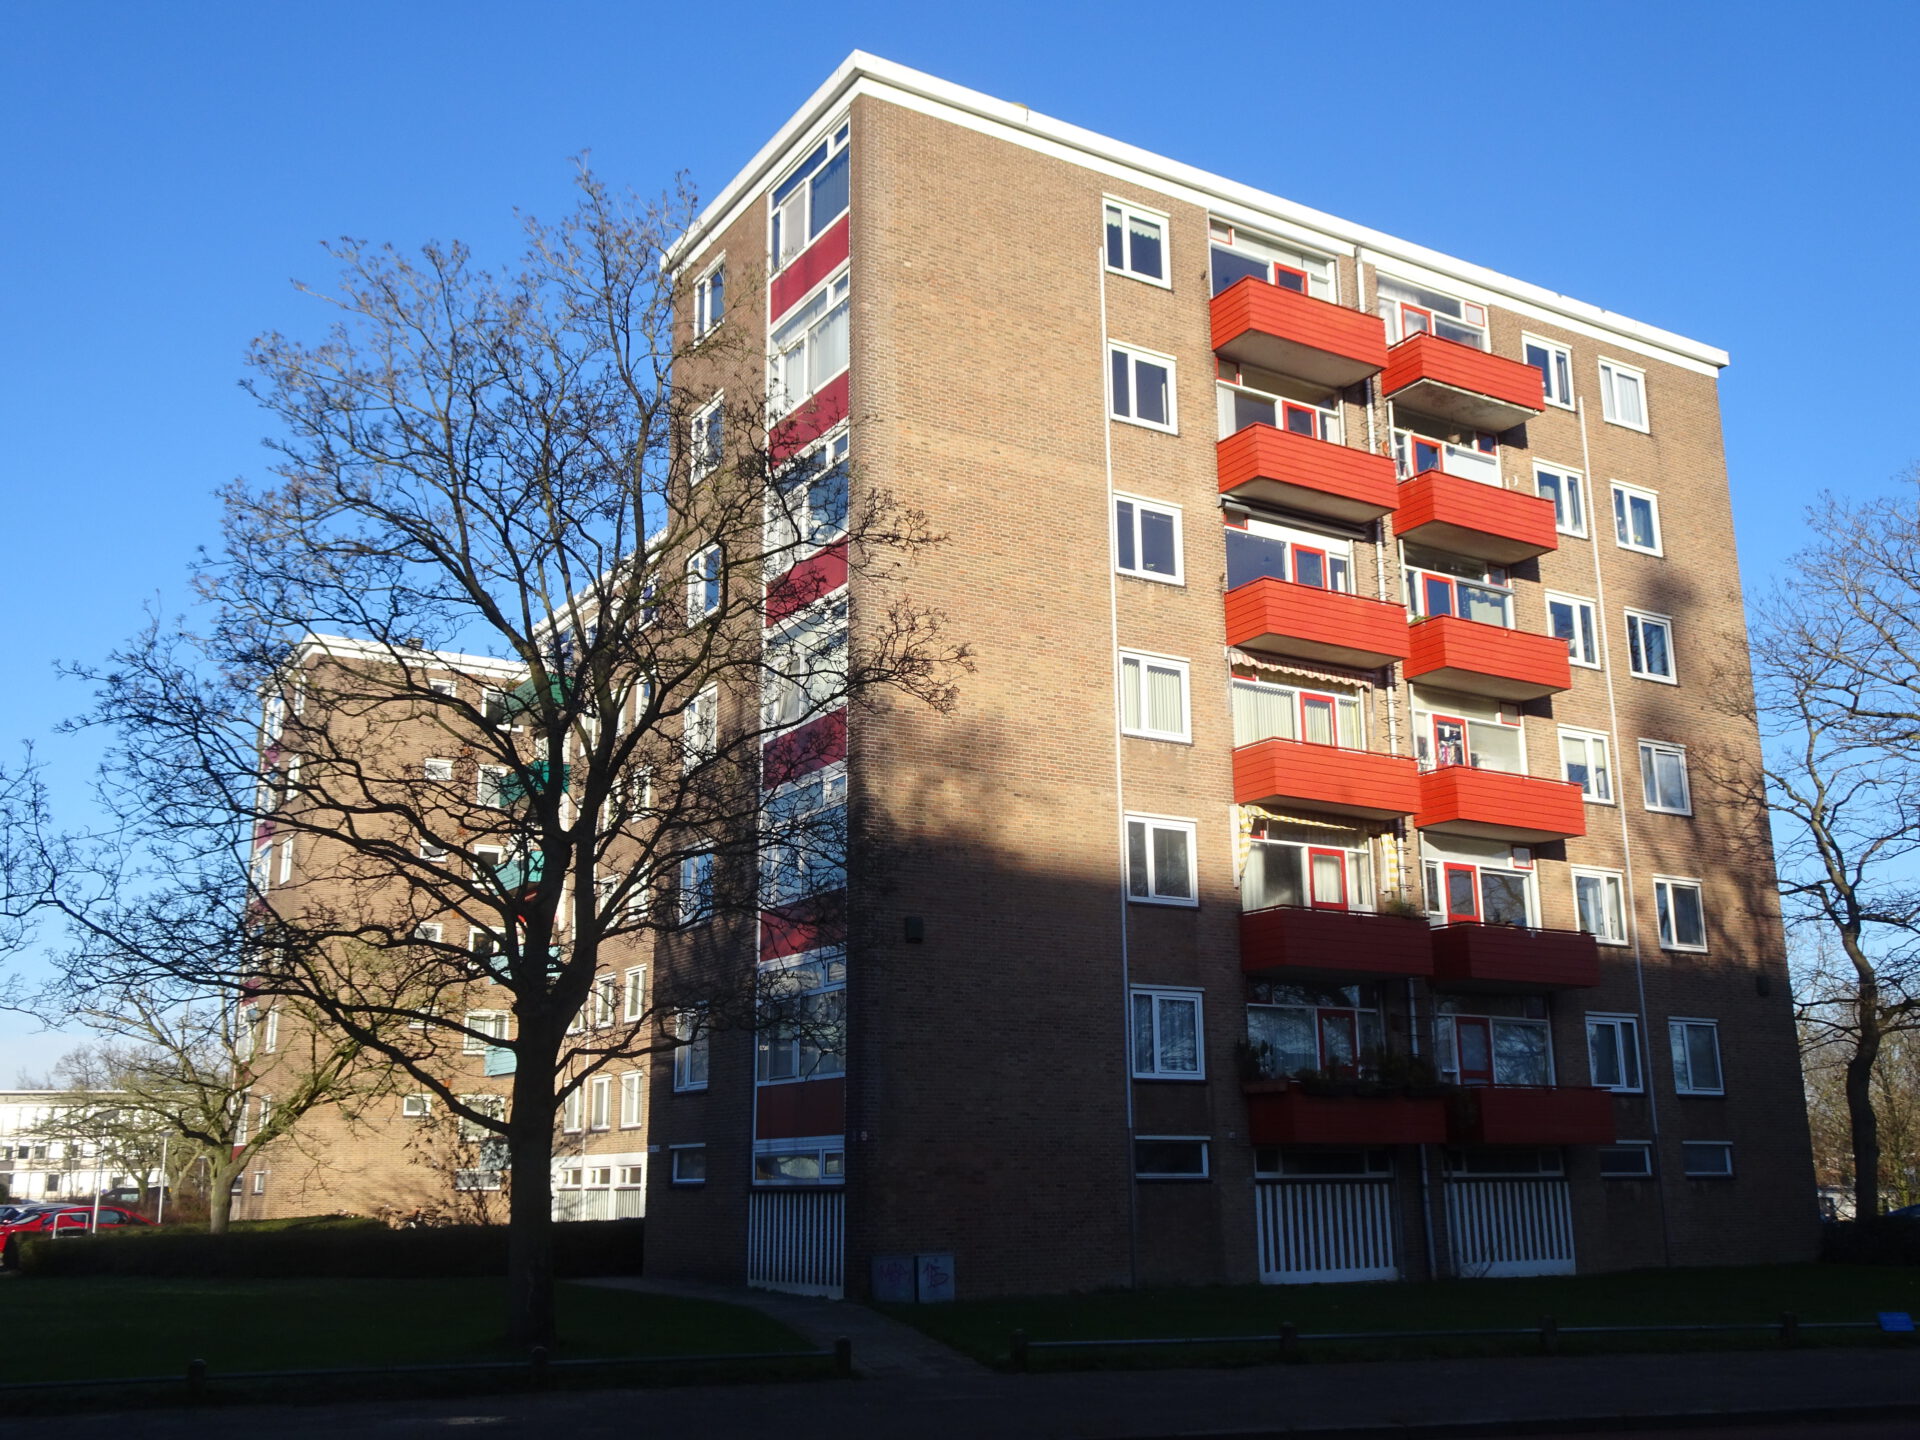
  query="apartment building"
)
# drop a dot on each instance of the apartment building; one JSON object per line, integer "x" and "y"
{"x": 1322, "y": 875}
{"x": 58, "y": 1143}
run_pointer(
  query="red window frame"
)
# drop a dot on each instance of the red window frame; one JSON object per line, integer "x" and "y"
{"x": 1434, "y": 722}
{"x": 1464, "y": 1025}
{"x": 1471, "y": 873}
{"x": 1316, "y": 422}
{"x": 1339, "y": 857}
{"x": 1306, "y": 280}
{"x": 1350, "y": 1021}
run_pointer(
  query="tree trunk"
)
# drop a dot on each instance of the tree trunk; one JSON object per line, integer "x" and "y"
{"x": 530, "y": 1319}
{"x": 1862, "y": 1124}
{"x": 220, "y": 1193}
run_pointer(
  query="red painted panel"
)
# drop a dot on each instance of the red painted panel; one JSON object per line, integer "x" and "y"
{"x": 1512, "y": 526}
{"x": 1360, "y": 782}
{"x": 1290, "y": 1116}
{"x": 1512, "y": 958}
{"x": 807, "y": 269}
{"x": 807, "y": 582}
{"x": 1520, "y": 803}
{"x": 808, "y": 924}
{"x": 1347, "y": 942}
{"x": 805, "y": 1107}
{"x": 1324, "y": 624}
{"x": 812, "y": 418}
{"x": 812, "y": 746}
{"x": 1265, "y": 458}
{"x": 1530, "y": 665}
{"x": 1317, "y": 338}
{"x": 1448, "y": 362}
{"x": 1531, "y": 1115}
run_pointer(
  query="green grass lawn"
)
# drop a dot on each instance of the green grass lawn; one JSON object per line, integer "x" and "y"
{"x": 982, "y": 1328}
{"x": 107, "y": 1327}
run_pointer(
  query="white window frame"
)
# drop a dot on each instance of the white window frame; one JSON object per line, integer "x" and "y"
{"x": 1130, "y": 211}
{"x": 1667, "y": 883}
{"x": 416, "y": 1107}
{"x": 600, "y": 1103}
{"x": 1159, "y": 507}
{"x": 1724, "y": 1146}
{"x": 448, "y": 688}
{"x": 489, "y": 785}
{"x": 705, "y": 318}
{"x": 1589, "y": 739}
{"x": 788, "y": 984}
{"x": 694, "y": 1045}
{"x": 1133, "y": 666}
{"x": 795, "y": 210}
{"x": 1621, "y": 1024}
{"x": 437, "y": 769}
{"x": 1135, "y": 355}
{"x": 1637, "y": 623}
{"x": 604, "y": 998}
{"x": 700, "y": 727}
{"x": 1610, "y": 880}
{"x": 698, "y": 583}
{"x": 1564, "y": 354}
{"x": 285, "y": 875}
{"x": 1612, "y": 372}
{"x": 674, "y": 1176}
{"x": 1586, "y": 616}
{"x": 480, "y": 1020}
{"x": 634, "y": 994}
{"x": 696, "y": 888}
{"x": 1649, "y": 749}
{"x": 1205, "y": 1142}
{"x": 1155, "y": 996}
{"x": 1153, "y": 895}
{"x": 805, "y": 341}
{"x": 1620, "y": 494}
{"x": 633, "y": 1091}
{"x": 1574, "y": 524}
{"x": 572, "y": 1108}
{"x": 705, "y": 438}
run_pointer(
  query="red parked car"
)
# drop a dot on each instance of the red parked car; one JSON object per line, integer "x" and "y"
{"x": 59, "y": 1220}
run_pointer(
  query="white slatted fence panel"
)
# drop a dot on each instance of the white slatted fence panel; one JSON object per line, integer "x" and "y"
{"x": 1326, "y": 1230}
{"x": 796, "y": 1239}
{"x": 1510, "y": 1227}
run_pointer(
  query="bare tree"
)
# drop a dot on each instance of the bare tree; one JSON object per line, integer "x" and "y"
{"x": 552, "y": 532}
{"x": 1837, "y": 681}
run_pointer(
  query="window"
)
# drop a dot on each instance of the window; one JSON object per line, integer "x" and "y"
{"x": 489, "y": 1024}
{"x": 443, "y": 687}
{"x": 286, "y": 862}
{"x": 1477, "y": 458}
{"x": 1505, "y": 1041}
{"x": 600, "y": 1103}
{"x": 810, "y": 349}
{"x": 635, "y": 1003}
{"x": 803, "y": 842}
{"x": 1707, "y": 1159}
{"x": 1166, "y": 1035}
{"x": 1439, "y": 584}
{"x": 811, "y": 198}
{"x": 1170, "y": 1157}
{"x": 1663, "y": 777}
{"x": 1153, "y": 697}
{"x": 802, "y": 1022}
{"x": 1555, "y": 364}
{"x": 1485, "y": 741}
{"x": 1160, "y": 861}
{"x": 1650, "y": 646}
{"x": 497, "y": 707}
{"x": 1335, "y": 1030}
{"x": 806, "y": 662}
{"x": 1599, "y": 904}
{"x": 1147, "y": 540}
{"x": 1265, "y": 549}
{"x": 798, "y": 1162}
{"x": 259, "y": 1182}
{"x": 605, "y": 999}
{"x": 1623, "y": 394}
{"x": 438, "y": 771}
{"x": 690, "y": 1050}
{"x": 807, "y": 503}
{"x": 1584, "y": 760}
{"x": 570, "y": 1112}
{"x": 1696, "y": 1057}
{"x": 1613, "y": 1051}
{"x": 632, "y": 1094}
{"x": 1478, "y": 892}
{"x": 1410, "y": 310}
{"x": 1136, "y": 242}
{"x": 1683, "y": 924}
{"x": 704, "y": 438}
{"x": 1577, "y": 622}
{"x": 416, "y": 1107}
{"x": 1567, "y": 491}
{"x": 709, "y": 300}
{"x": 1629, "y": 1160}
{"x": 696, "y": 888}
{"x": 1636, "y": 519}
{"x": 1317, "y": 866}
{"x": 270, "y": 1032}
{"x": 1236, "y": 254}
{"x": 700, "y": 726}
{"x": 703, "y": 584}
{"x": 429, "y": 932}
{"x": 1141, "y": 385}
{"x": 1241, "y": 405}
{"x": 1264, "y": 711}
{"x": 493, "y": 786}
{"x": 689, "y": 1164}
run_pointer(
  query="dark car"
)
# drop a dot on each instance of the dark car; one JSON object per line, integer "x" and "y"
{"x": 60, "y": 1219}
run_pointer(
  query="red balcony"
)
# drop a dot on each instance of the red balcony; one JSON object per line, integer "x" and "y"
{"x": 1459, "y": 383}
{"x": 1309, "y": 475}
{"x": 1531, "y": 1115}
{"x": 1363, "y": 783}
{"x": 1481, "y": 659}
{"x": 1258, "y": 323}
{"x": 1334, "y": 943}
{"x": 1511, "y": 958}
{"x": 1469, "y": 518}
{"x": 1283, "y": 1114}
{"x": 1283, "y": 618}
{"x": 1494, "y": 805}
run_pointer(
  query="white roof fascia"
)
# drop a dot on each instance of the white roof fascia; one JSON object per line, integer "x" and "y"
{"x": 343, "y": 647}
{"x": 864, "y": 74}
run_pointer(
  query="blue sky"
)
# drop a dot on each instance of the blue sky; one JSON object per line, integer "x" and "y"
{"x": 1735, "y": 173}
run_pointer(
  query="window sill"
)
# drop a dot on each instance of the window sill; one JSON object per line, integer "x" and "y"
{"x": 1163, "y": 900}
{"x": 1179, "y": 580}
{"x": 1628, "y": 425}
{"x": 1143, "y": 424}
{"x": 1171, "y": 1079}
{"x": 1164, "y": 739}
{"x": 1657, "y": 679}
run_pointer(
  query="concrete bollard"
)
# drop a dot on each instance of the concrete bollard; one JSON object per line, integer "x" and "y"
{"x": 1017, "y": 1352}
{"x": 196, "y": 1381}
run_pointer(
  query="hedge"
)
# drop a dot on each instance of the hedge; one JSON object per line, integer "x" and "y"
{"x": 1871, "y": 1242}
{"x": 370, "y": 1251}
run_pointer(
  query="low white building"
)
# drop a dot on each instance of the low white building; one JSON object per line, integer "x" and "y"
{"x": 45, "y": 1153}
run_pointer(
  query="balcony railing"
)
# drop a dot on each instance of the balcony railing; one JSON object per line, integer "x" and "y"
{"x": 1261, "y": 462}
{"x": 1491, "y": 805}
{"x": 1282, "y": 618}
{"x": 1429, "y": 593}
{"x": 1361, "y": 783}
{"x": 1489, "y": 660}
{"x": 1319, "y": 943}
{"x": 1470, "y": 956}
{"x": 1456, "y": 382}
{"x": 1258, "y": 323}
{"x": 1531, "y": 1115}
{"x": 1416, "y": 454}
{"x": 1282, "y": 1113}
{"x": 1484, "y": 521}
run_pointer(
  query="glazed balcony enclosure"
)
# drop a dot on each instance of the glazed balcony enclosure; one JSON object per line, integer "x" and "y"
{"x": 1365, "y": 784}
{"x": 1260, "y": 324}
{"x": 1282, "y": 1113}
{"x": 1477, "y": 658}
{"x": 1468, "y": 517}
{"x": 1282, "y": 617}
{"x": 1531, "y": 1115}
{"x": 1303, "y": 473}
{"x": 1456, "y": 382}
{"x": 1512, "y": 958}
{"x": 1495, "y": 805}
{"x": 1315, "y": 942}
